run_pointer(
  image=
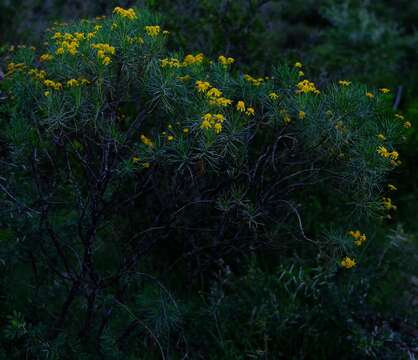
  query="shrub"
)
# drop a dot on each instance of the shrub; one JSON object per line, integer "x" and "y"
{"x": 120, "y": 159}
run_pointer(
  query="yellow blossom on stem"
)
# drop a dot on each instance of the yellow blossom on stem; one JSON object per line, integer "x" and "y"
{"x": 301, "y": 115}
{"x": 384, "y": 90}
{"x": 146, "y": 141}
{"x": 126, "y": 13}
{"x": 348, "y": 263}
{"x": 387, "y": 204}
{"x": 359, "y": 238}
{"x": 226, "y": 61}
{"x": 273, "y": 96}
{"x": 152, "y": 30}
{"x": 46, "y": 57}
{"x": 214, "y": 92}
{"x": 240, "y": 106}
{"x": 250, "y": 111}
{"x": 392, "y": 187}
{"x": 344, "y": 82}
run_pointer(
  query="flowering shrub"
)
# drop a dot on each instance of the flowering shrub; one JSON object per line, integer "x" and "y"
{"x": 119, "y": 158}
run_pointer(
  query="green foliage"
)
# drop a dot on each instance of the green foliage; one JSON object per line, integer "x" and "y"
{"x": 136, "y": 183}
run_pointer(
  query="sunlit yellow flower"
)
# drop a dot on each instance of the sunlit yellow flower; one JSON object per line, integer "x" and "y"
{"x": 301, "y": 115}
{"x": 384, "y": 90}
{"x": 392, "y": 187}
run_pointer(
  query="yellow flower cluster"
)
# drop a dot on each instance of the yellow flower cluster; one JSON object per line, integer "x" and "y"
{"x": 187, "y": 61}
{"x": 214, "y": 94}
{"x": 46, "y": 57}
{"x": 37, "y": 74}
{"x": 212, "y": 121}
{"x": 68, "y": 43}
{"x": 382, "y": 151}
{"x": 242, "y": 108}
{"x": 306, "y": 86}
{"x": 126, "y": 13}
{"x": 359, "y": 238}
{"x": 253, "y": 81}
{"x": 348, "y": 263}
{"x": 226, "y": 61}
{"x": 406, "y": 124}
{"x": 146, "y": 141}
{"x": 53, "y": 84}
{"x": 387, "y": 204}
{"x": 103, "y": 52}
{"x": 79, "y": 82}
{"x": 152, "y": 30}
{"x": 344, "y": 82}
{"x": 193, "y": 59}
{"x": 15, "y": 67}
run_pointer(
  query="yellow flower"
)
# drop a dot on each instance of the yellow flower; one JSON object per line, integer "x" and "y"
{"x": 400, "y": 117}
{"x": 253, "y": 81}
{"x": 106, "y": 60}
{"x": 306, "y": 86}
{"x": 359, "y": 238}
{"x": 273, "y": 96}
{"x": 47, "y": 93}
{"x": 146, "y": 141}
{"x": 214, "y": 92}
{"x": 205, "y": 124}
{"x": 381, "y": 137}
{"x": 226, "y": 61}
{"x": 240, "y": 106}
{"x": 298, "y": 65}
{"x": 384, "y": 90}
{"x": 135, "y": 159}
{"x": 126, "y": 13}
{"x": 407, "y": 125}
{"x": 186, "y": 130}
{"x": 46, "y": 57}
{"x": 152, "y": 30}
{"x": 370, "y": 95}
{"x": 301, "y": 73}
{"x": 387, "y": 204}
{"x": 392, "y": 187}
{"x": 250, "y": 111}
{"x": 59, "y": 51}
{"x": 348, "y": 263}
{"x": 344, "y": 82}
{"x": 170, "y": 137}
{"x": 72, "y": 83}
{"x": 218, "y": 128}
{"x": 301, "y": 115}
{"x": 202, "y": 86}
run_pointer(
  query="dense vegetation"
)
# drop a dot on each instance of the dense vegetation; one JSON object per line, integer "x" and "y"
{"x": 210, "y": 181}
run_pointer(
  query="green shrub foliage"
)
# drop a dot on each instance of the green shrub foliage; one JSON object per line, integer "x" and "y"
{"x": 122, "y": 162}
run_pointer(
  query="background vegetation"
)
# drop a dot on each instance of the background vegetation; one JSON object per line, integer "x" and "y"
{"x": 131, "y": 229}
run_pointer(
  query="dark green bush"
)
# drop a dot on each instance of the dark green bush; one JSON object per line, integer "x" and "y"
{"x": 133, "y": 178}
